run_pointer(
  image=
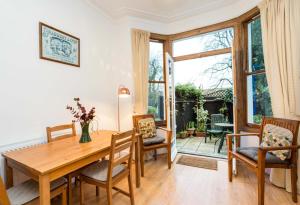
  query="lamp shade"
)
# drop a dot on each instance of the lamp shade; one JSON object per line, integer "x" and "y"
{"x": 123, "y": 91}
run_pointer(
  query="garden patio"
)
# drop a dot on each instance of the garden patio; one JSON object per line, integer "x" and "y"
{"x": 197, "y": 113}
{"x": 197, "y": 146}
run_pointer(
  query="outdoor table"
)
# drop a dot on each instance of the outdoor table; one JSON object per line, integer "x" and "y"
{"x": 225, "y": 126}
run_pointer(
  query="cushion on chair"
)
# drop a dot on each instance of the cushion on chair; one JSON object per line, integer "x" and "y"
{"x": 29, "y": 190}
{"x": 153, "y": 140}
{"x": 251, "y": 153}
{"x": 147, "y": 127}
{"x": 98, "y": 171}
{"x": 275, "y": 136}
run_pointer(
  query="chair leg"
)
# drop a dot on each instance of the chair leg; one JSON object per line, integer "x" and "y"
{"x": 130, "y": 189}
{"x": 64, "y": 197}
{"x": 70, "y": 190}
{"x": 229, "y": 167}
{"x": 221, "y": 143}
{"x": 76, "y": 181}
{"x": 261, "y": 183}
{"x": 142, "y": 162}
{"x": 97, "y": 191}
{"x": 109, "y": 194}
{"x": 294, "y": 183}
{"x": 169, "y": 157}
{"x": 155, "y": 154}
{"x": 81, "y": 197}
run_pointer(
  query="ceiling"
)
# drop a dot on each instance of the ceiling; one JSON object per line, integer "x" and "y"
{"x": 159, "y": 10}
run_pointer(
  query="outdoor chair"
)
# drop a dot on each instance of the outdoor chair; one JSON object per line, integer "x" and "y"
{"x": 215, "y": 130}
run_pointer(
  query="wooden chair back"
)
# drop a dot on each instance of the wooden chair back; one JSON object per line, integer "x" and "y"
{"x": 51, "y": 130}
{"x": 120, "y": 143}
{"x": 137, "y": 118}
{"x": 3, "y": 194}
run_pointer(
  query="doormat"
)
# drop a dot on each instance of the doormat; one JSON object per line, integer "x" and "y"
{"x": 198, "y": 162}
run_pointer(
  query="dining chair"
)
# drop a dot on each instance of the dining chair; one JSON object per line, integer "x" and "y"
{"x": 107, "y": 173}
{"x": 149, "y": 138}
{"x": 278, "y": 149}
{"x": 63, "y": 133}
{"x": 60, "y": 128}
{"x": 28, "y": 192}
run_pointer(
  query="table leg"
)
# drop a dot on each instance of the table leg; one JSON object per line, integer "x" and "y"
{"x": 137, "y": 164}
{"x": 44, "y": 186}
{"x": 9, "y": 175}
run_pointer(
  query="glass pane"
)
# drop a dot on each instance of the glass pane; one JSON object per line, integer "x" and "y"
{"x": 156, "y": 61}
{"x": 207, "y": 73}
{"x": 205, "y": 42}
{"x": 259, "y": 101}
{"x": 156, "y": 99}
{"x": 255, "y": 47}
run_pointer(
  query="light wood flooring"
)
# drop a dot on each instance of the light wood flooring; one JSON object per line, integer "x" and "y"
{"x": 184, "y": 185}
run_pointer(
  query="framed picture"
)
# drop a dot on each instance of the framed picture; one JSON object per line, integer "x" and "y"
{"x": 58, "y": 46}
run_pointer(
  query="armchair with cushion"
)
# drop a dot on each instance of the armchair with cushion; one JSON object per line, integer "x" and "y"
{"x": 150, "y": 139}
{"x": 278, "y": 149}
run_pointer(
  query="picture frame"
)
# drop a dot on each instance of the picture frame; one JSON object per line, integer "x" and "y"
{"x": 58, "y": 46}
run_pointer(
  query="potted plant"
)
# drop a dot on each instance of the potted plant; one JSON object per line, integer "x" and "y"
{"x": 183, "y": 134}
{"x": 84, "y": 118}
{"x": 190, "y": 128}
{"x": 224, "y": 110}
{"x": 202, "y": 117}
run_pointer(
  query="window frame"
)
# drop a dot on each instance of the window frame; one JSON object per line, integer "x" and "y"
{"x": 239, "y": 61}
{"x": 204, "y": 54}
{"x": 246, "y": 67}
{"x": 163, "y": 42}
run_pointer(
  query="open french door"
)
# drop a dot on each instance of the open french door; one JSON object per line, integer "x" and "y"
{"x": 170, "y": 101}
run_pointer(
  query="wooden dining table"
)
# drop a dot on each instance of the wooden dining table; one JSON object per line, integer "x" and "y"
{"x": 47, "y": 162}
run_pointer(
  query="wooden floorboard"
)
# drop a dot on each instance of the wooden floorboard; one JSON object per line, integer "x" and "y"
{"x": 185, "y": 185}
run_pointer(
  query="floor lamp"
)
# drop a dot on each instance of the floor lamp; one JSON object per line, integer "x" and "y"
{"x": 122, "y": 92}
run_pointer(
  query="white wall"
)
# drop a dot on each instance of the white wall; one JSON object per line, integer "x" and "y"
{"x": 34, "y": 92}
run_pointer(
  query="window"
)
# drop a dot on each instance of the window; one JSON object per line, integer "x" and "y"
{"x": 156, "y": 88}
{"x": 258, "y": 97}
{"x": 202, "y": 43}
{"x": 203, "y": 67}
{"x": 211, "y": 72}
{"x": 207, "y": 72}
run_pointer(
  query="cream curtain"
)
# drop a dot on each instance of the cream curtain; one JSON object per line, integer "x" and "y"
{"x": 281, "y": 42}
{"x": 140, "y": 58}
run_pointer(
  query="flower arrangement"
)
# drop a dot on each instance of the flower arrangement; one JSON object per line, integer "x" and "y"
{"x": 83, "y": 117}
